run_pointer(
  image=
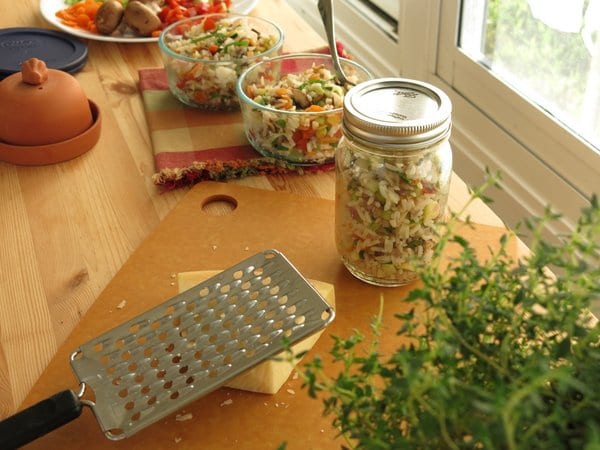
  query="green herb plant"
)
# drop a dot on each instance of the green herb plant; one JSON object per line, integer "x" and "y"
{"x": 500, "y": 354}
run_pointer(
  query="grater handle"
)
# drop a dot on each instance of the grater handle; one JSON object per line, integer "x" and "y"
{"x": 39, "y": 419}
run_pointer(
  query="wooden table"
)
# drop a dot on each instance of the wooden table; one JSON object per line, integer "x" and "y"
{"x": 66, "y": 229}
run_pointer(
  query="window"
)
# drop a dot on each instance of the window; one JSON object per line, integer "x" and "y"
{"x": 505, "y": 118}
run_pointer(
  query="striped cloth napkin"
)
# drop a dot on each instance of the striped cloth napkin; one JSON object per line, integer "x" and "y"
{"x": 191, "y": 145}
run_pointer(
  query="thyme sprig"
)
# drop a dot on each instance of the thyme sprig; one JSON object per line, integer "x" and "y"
{"x": 499, "y": 354}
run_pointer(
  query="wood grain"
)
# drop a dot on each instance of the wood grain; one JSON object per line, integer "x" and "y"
{"x": 66, "y": 229}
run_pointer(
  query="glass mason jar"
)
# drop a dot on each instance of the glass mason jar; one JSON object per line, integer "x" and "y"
{"x": 393, "y": 169}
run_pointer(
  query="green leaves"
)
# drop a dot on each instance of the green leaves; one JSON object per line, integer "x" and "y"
{"x": 499, "y": 354}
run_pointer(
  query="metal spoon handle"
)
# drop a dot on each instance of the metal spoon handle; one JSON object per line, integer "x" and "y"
{"x": 326, "y": 11}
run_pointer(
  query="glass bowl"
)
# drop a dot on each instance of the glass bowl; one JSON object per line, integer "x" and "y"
{"x": 204, "y": 55}
{"x": 292, "y": 106}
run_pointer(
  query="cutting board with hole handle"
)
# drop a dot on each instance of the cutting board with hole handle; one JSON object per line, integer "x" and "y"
{"x": 191, "y": 238}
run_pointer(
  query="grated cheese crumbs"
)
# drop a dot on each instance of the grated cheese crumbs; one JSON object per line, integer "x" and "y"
{"x": 183, "y": 417}
{"x": 122, "y": 304}
{"x": 227, "y": 402}
{"x": 291, "y": 391}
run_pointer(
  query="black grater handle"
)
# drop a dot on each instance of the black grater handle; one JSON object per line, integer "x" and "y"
{"x": 39, "y": 419}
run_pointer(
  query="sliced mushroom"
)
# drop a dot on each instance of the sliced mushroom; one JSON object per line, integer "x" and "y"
{"x": 141, "y": 19}
{"x": 300, "y": 98}
{"x": 108, "y": 16}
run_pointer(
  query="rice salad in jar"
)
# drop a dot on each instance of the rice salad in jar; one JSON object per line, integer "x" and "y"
{"x": 390, "y": 213}
{"x": 293, "y": 111}
{"x": 393, "y": 170}
{"x": 205, "y": 55}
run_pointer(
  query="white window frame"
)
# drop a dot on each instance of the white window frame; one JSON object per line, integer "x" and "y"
{"x": 542, "y": 163}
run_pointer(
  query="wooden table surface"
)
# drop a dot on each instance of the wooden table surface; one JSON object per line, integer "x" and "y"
{"x": 66, "y": 229}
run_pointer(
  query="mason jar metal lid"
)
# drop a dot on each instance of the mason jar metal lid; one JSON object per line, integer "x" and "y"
{"x": 397, "y": 111}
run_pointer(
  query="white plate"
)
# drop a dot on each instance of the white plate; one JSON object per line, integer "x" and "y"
{"x": 49, "y": 8}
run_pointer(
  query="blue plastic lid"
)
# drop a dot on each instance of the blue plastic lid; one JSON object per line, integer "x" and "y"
{"x": 57, "y": 49}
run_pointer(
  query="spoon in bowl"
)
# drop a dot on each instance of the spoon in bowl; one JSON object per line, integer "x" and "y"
{"x": 326, "y": 10}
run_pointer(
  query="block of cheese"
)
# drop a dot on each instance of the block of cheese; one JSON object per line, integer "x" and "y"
{"x": 268, "y": 376}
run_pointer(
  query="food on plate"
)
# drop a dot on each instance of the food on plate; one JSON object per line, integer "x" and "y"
{"x": 141, "y": 18}
{"x": 268, "y": 376}
{"x": 293, "y": 108}
{"x": 204, "y": 56}
{"x": 109, "y": 16}
{"x": 133, "y": 18}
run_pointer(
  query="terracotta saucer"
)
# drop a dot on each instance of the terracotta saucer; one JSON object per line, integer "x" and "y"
{"x": 39, "y": 155}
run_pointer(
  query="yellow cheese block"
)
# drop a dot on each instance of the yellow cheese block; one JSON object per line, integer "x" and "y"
{"x": 268, "y": 376}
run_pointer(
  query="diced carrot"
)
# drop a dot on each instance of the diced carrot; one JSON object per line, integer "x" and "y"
{"x": 314, "y": 108}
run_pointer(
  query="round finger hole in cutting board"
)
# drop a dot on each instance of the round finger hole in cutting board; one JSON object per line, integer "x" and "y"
{"x": 219, "y": 205}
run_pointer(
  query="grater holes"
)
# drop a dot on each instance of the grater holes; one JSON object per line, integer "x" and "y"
{"x": 299, "y": 320}
{"x": 274, "y": 290}
{"x": 176, "y": 321}
{"x": 258, "y": 271}
{"x": 227, "y": 360}
{"x": 120, "y": 343}
{"x": 116, "y": 381}
{"x": 123, "y": 393}
{"x": 203, "y": 292}
{"x": 169, "y": 348}
{"x": 213, "y": 373}
{"x": 168, "y": 384}
{"x": 161, "y": 374}
{"x": 270, "y": 314}
{"x": 326, "y": 314}
{"x": 141, "y": 340}
{"x": 189, "y": 380}
{"x": 145, "y": 390}
{"x": 154, "y": 363}
{"x": 238, "y": 274}
{"x": 183, "y": 369}
{"x": 254, "y": 295}
{"x": 129, "y": 405}
{"x": 174, "y": 395}
{"x": 290, "y": 309}
{"x": 132, "y": 367}
{"x": 198, "y": 355}
{"x": 148, "y": 351}
{"x": 225, "y": 289}
{"x": 136, "y": 416}
{"x": 135, "y": 328}
{"x": 282, "y": 300}
{"x": 98, "y": 347}
{"x": 246, "y": 285}
{"x": 262, "y": 304}
{"x": 232, "y": 299}
{"x": 139, "y": 378}
{"x": 213, "y": 303}
{"x": 126, "y": 355}
{"x": 176, "y": 359}
{"x": 152, "y": 400}
{"x": 163, "y": 336}
{"x": 169, "y": 310}
{"x": 266, "y": 281}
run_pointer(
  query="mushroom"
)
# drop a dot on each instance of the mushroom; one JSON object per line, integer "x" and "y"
{"x": 141, "y": 19}
{"x": 109, "y": 16}
{"x": 300, "y": 98}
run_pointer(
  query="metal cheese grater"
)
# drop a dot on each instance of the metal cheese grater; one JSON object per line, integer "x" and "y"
{"x": 154, "y": 364}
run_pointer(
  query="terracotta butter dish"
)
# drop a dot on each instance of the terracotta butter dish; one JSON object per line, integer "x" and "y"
{"x": 45, "y": 116}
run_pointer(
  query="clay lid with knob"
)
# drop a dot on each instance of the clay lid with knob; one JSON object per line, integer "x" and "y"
{"x": 45, "y": 116}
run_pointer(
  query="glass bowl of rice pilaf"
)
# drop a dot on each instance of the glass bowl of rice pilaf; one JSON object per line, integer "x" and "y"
{"x": 292, "y": 106}
{"x": 204, "y": 56}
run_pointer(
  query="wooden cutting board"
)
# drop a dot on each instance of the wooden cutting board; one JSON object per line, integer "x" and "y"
{"x": 191, "y": 238}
